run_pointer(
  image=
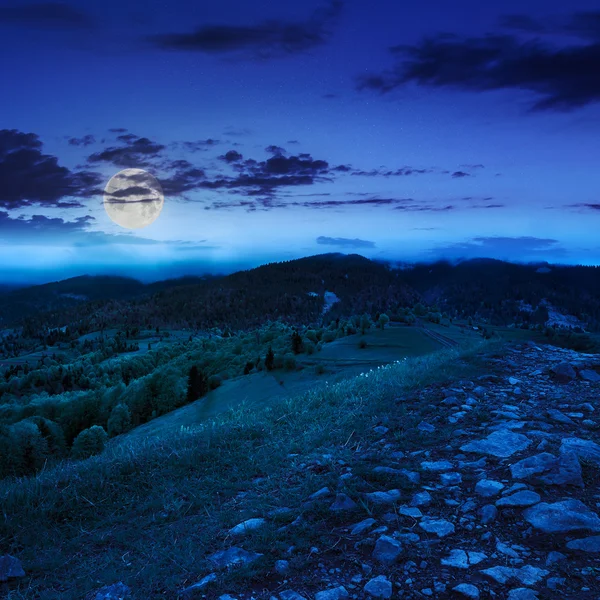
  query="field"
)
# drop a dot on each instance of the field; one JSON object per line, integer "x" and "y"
{"x": 338, "y": 360}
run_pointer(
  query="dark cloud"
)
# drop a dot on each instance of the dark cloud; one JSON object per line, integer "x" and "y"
{"x": 583, "y": 25}
{"x": 269, "y": 39}
{"x": 45, "y": 14}
{"x": 135, "y": 152}
{"x": 117, "y": 130}
{"x": 29, "y": 176}
{"x": 559, "y": 75}
{"x": 276, "y": 150}
{"x": 86, "y": 140}
{"x": 345, "y": 242}
{"x": 199, "y": 145}
{"x": 585, "y": 205}
{"x": 231, "y": 156}
{"x": 460, "y": 174}
{"x": 40, "y": 230}
{"x": 402, "y": 172}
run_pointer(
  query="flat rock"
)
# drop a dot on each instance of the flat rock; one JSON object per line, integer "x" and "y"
{"x": 246, "y": 526}
{"x": 589, "y": 544}
{"x": 488, "y": 514}
{"x": 467, "y": 590}
{"x": 583, "y": 449}
{"x": 522, "y": 594}
{"x": 502, "y": 444}
{"x": 426, "y": 427}
{"x": 233, "y": 556}
{"x": 589, "y": 375}
{"x": 522, "y": 498}
{"x": 389, "y": 497}
{"x": 337, "y": 593}
{"x": 440, "y": 527}
{"x": 290, "y": 595}
{"x": 421, "y": 499}
{"x": 379, "y": 587}
{"x": 343, "y": 502}
{"x": 363, "y": 526}
{"x": 547, "y": 469}
{"x": 559, "y": 417}
{"x": 410, "y": 511}
{"x": 451, "y": 478}
{"x": 10, "y": 568}
{"x": 562, "y": 517}
{"x": 527, "y": 575}
{"x": 200, "y": 584}
{"x": 387, "y": 550}
{"x": 436, "y": 465}
{"x": 463, "y": 559}
{"x": 488, "y": 488}
{"x": 564, "y": 372}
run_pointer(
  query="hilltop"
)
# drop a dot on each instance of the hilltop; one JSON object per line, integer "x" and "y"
{"x": 460, "y": 475}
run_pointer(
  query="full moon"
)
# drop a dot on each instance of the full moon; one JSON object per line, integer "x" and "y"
{"x": 133, "y": 198}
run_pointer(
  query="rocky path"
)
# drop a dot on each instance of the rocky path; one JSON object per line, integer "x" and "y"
{"x": 507, "y": 508}
{"x": 500, "y": 498}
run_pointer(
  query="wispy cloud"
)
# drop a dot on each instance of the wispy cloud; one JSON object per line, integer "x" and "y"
{"x": 345, "y": 242}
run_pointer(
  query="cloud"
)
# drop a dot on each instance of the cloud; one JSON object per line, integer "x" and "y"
{"x": 29, "y": 176}
{"x": 199, "y": 145}
{"x": 86, "y": 140}
{"x": 269, "y": 39}
{"x": 460, "y": 174}
{"x": 135, "y": 152}
{"x": 46, "y": 14}
{"x": 345, "y": 242}
{"x": 402, "y": 172}
{"x": 40, "y": 230}
{"x": 585, "y": 205}
{"x": 583, "y": 25}
{"x": 560, "y": 76}
{"x": 503, "y": 248}
{"x": 231, "y": 156}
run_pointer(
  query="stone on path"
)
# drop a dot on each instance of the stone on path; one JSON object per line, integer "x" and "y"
{"x": 200, "y": 584}
{"x": 583, "y": 449}
{"x": 522, "y": 498}
{"x": 338, "y": 593}
{"x": 467, "y": 590}
{"x": 343, "y": 502}
{"x": 562, "y": 517}
{"x": 379, "y": 587}
{"x": 547, "y": 469}
{"x": 589, "y": 544}
{"x": 502, "y": 444}
{"x": 462, "y": 559}
{"x": 564, "y": 372}
{"x": 589, "y": 375}
{"x": 363, "y": 526}
{"x": 522, "y": 594}
{"x": 384, "y": 497}
{"x": 246, "y": 526}
{"x": 387, "y": 550}
{"x": 488, "y": 488}
{"x": 440, "y": 527}
{"x": 436, "y": 465}
{"x": 527, "y": 575}
{"x": 10, "y": 568}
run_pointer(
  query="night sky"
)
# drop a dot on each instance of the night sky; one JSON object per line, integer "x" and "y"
{"x": 397, "y": 130}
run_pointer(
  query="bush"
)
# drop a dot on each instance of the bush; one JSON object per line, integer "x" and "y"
{"x": 289, "y": 362}
{"x": 119, "y": 421}
{"x": 214, "y": 381}
{"x": 329, "y": 336}
{"x": 319, "y": 369}
{"x": 89, "y": 442}
{"x": 309, "y": 348}
{"x": 311, "y": 334}
{"x": 362, "y": 344}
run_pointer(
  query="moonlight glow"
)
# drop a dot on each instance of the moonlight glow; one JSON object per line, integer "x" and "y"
{"x": 133, "y": 198}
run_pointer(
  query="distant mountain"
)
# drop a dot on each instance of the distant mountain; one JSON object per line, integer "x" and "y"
{"x": 294, "y": 291}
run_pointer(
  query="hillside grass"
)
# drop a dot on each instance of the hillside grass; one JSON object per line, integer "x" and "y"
{"x": 149, "y": 510}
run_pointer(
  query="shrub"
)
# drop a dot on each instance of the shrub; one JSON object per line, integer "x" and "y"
{"x": 362, "y": 344}
{"x": 289, "y": 362}
{"x": 309, "y": 348}
{"x": 214, "y": 381}
{"x": 89, "y": 442}
{"x": 329, "y": 336}
{"x": 319, "y": 369}
{"x": 119, "y": 421}
{"x": 311, "y": 334}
